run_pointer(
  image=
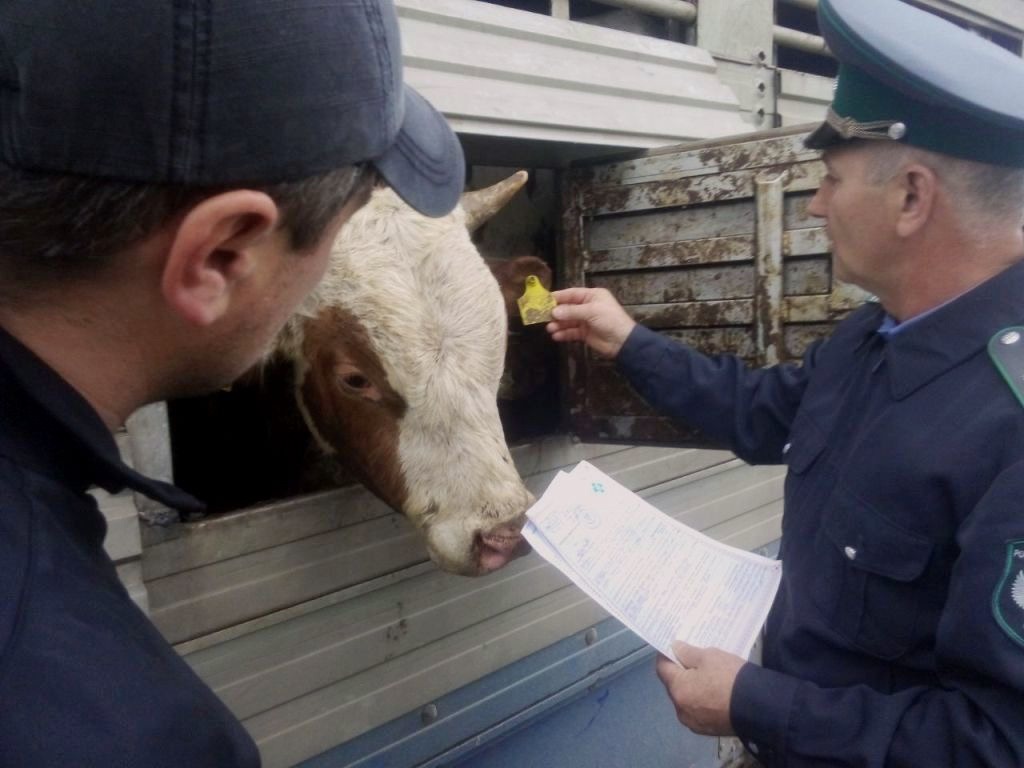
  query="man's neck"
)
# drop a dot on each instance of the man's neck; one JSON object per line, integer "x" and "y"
{"x": 86, "y": 356}
{"x": 937, "y": 280}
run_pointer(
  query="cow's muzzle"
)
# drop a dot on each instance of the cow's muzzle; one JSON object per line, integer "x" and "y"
{"x": 499, "y": 546}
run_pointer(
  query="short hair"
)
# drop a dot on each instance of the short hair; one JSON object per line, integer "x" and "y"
{"x": 985, "y": 193}
{"x": 56, "y": 229}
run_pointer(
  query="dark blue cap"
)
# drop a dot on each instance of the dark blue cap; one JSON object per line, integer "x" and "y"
{"x": 907, "y": 75}
{"x": 218, "y": 92}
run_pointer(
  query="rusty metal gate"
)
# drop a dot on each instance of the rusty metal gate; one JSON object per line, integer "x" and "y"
{"x": 710, "y": 243}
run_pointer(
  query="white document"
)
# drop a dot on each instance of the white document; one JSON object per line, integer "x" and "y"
{"x": 662, "y": 579}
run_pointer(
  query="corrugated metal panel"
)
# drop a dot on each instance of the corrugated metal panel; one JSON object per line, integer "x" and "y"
{"x": 802, "y": 98}
{"x": 710, "y": 243}
{"x": 324, "y": 668}
{"x": 502, "y": 72}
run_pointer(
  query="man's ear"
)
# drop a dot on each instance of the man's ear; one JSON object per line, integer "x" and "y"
{"x": 211, "y": 252}
{"x": 917, "y": 190}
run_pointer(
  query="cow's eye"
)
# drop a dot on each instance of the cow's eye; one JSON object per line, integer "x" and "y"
{"x": 356, "y": 381}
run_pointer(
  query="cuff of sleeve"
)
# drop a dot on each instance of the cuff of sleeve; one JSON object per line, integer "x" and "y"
{"x": 762, "y": 701}
{"x": 641, "y": 352}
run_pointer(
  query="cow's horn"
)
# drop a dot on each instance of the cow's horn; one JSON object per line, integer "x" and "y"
{"x": 481, "y": 204}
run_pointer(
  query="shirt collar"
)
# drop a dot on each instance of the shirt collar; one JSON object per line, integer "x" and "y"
{"x": 944, "y": 337}
{"x": 62, "y": 435}
{"x": 891, "y": 326}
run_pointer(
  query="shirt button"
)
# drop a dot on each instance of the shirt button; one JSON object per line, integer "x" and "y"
{"x": 850, "y": 552}
{"x": 753, "y": 748}
{"x": 786, "y": 447}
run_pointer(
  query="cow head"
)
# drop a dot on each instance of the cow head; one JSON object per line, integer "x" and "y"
{"x": 398, "y": 355}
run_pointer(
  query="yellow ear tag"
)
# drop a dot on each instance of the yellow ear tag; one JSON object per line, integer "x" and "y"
{"x": 536, "y": 303}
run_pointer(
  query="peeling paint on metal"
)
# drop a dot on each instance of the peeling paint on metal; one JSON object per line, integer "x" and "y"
{"x": 684, "y": 239}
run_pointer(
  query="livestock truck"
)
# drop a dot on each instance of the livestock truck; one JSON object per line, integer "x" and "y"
{"x": 663, "y": 142}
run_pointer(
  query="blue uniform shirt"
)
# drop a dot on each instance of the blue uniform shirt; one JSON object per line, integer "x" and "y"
{"x": 896, "y": 636}
{"x": 85, "y": 678}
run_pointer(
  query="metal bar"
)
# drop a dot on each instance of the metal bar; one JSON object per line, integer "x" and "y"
{"x": 560, "y": 9}
{"x": 802, "y": 41}
{"x": 681, "y": 10}
{"x": 768, "y": 333}
{"x": 149, "y": 440}
{"x": 810, "y": 5}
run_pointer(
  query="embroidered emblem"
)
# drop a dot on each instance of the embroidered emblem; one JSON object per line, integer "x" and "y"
{"x": 597, "y": 487}
{"x": 1008, "y": 598}
{"x": 1018, "y": 590}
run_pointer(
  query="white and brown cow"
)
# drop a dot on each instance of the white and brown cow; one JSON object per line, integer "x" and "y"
{"x": 398, "y": 356}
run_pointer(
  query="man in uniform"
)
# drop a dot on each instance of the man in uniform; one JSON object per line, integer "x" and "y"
{"x": 897, "y": 637}
{"x": 172, "y": 176}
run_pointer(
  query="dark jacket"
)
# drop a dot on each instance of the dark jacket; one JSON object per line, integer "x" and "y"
{"x": 896, "y": 636}
{"x": 85, "y": 678}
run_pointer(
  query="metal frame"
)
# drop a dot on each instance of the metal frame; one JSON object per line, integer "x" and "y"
{"x": 679, "y": 10}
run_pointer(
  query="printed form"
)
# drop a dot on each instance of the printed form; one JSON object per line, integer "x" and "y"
{"x": 662, "y": 579}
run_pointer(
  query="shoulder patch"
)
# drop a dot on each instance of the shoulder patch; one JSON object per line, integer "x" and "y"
{"x": 1006, "y": 349}
{"x": 1008, "y": 597}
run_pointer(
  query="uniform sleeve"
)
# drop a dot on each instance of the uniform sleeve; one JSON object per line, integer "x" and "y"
{"x": 750, "y": 411}
{"x": 973, "y": 712}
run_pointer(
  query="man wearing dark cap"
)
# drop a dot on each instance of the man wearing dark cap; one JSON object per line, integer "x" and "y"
{"x": 897, "y": 637}
{"x": 171, "y": 178}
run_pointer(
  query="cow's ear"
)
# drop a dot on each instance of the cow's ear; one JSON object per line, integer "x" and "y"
{"x": 511, "y": 275}
{"x": 212, "y": 252}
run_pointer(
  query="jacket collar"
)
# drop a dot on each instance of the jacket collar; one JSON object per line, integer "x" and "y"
{"x": 48, "y": 425}
{"x": 954, "y": 332}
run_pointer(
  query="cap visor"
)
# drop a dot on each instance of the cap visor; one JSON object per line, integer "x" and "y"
{"x": 821, "y": 137}
{"x": 424, "y": 165}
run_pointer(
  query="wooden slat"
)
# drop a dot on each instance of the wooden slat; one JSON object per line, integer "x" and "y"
{"x": 713, "y": 250}
{"x": 680, "y": 285}
{"x": 695, "y": 314}
{"x": 695, "y": 189}
{"x": 795, "y": 215}
{"x": 724, "y": 154}
{"x": 648, "y": 195}
{"x": 719, "y": 341}
{"x": 805, "y": 242}
{"x": 728, "y": 219}
{"x": 807, "y": 276}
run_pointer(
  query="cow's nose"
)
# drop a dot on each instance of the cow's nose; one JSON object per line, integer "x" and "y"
{"x": 499, "y": 546}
